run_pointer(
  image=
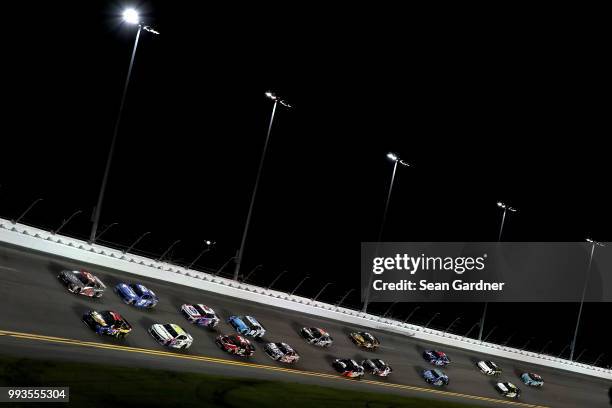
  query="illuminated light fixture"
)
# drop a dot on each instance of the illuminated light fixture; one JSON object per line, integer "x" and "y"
{"x": 506, "y": 207}
{"x": 131, "y": 16}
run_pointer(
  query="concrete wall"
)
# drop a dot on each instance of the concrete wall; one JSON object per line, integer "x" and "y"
{"x": 43, "y": 241}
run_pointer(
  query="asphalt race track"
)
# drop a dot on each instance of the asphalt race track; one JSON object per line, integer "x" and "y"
{"x": 33, "y": 302}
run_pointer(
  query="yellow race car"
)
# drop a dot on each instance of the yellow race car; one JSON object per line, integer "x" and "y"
{"x": 364, "y": 340}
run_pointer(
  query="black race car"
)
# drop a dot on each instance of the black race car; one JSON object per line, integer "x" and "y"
{"x": 316, "y": 336}
{"x": 348, "y": 368}
{"x": 82, "y": 283}
{"x": 107, "y": 322}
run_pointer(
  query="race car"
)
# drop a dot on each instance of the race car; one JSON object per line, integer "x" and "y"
{"x": 364, "y": 340}
{"x": 348, "y": 368}
{"x": 235, "y": 344}
{"x": 532, "y": 380}
{"x": 316, "y": 336}
{"x": 108, "y": 323}
{"x": 247, "y": 325}
{"x": 82, "y": 283}
{"x": 489, "y": 368}
{"x": 200, "y": 314}
{"x": 435, "y": 377}
{"x": 377, "y": 367}
{"x": 508, "y": 390}
{"x": 171, "y": 335}
{"x": 282, "y": 352}
{"x": 137, "y": 295}
{"x": 437, "y": 358}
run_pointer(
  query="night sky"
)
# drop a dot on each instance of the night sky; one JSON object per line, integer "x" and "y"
{"x": 482, "y": 115}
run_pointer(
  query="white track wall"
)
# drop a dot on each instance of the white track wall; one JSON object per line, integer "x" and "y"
{"x": 43, "y": 241}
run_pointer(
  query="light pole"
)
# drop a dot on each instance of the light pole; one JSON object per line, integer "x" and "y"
{"x": 527, "y": 343}
{"x": 490, "y": 333}
{"x": 207, "y": 247}
{"x": 563, "y": 351}
{"x": 586, "y": 283}
{"x": 472, "y": 328}
{"x": 544, "y": 348}
{"x": 130, "y": 16}
{"x": 508, "y": 339}
{"x": 501, "y": 229}
{"x": 389, "y": 309}
{"x": 396, "y": 160}
{"x": 66, "y": 221}
{"x": 240, "y": 252}
{"x": 26, "y": 211}
{"x": 299, "y": 284}
{"x": 161, "y": 258}
{"x": 275, "y": 279}
{"x": 137, "y": 241}
{"x": 344, "y": 297}
{"x": 224, "y": 265}
{"x": 252, "y": 272}
{"x": 452, "y": 324}
{"x": 314, "y": 299}
{"x": 432, "y": 319}
{"x": 103, "y": 231}
{"x": 411, "y": 313}
{"x": 598, "y": 358}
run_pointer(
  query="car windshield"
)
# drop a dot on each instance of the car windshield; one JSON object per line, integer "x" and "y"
{"x": 170, "y": 330}
{"x": 137, "y": 289}
{"x": 200, "y": 310}
{"x": 437, "y": 373}
{"x": 108, "y": 317}
{"x": 83, "y": 278}
{"x": 236, "y": 340}
{"x": 315, "y": 332}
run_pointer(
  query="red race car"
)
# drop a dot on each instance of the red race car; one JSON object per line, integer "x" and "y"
{"x": 235, "y": 344}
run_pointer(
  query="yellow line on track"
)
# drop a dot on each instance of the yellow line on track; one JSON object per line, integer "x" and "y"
{"x": 116, "y": 347}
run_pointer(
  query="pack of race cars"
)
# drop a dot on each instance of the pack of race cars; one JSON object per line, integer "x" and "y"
{"x": 171, "y": 335}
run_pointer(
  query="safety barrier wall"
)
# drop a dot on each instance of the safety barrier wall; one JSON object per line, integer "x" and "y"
{"x": 44, "y": 241}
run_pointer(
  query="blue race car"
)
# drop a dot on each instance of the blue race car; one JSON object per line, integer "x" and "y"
{"x": 532, "y": 380}
{"x": 247, "y": 326}
{"x": 437, "y": 358}
{"x": 435, "y": 377}
{"x": 137, "y": 295}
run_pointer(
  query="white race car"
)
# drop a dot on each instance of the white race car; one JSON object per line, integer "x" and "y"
{"x": 508, "y": 390}
{"x": 282, "y": 352}
{"x": 171, "y": 335}
{"x": 489, "y": 368}
{"x": 200, "y": 314}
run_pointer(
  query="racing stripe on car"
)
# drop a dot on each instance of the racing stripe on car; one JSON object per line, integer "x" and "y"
{"x": 60, "y": 340}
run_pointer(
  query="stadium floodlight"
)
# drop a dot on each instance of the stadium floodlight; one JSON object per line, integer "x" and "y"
{"x": 131, "y": 16}
{"x": 584, "y": 289}
{"x": 396, "y": 160}
{"x": 506, "y": 208}
{"x": 238, "y": 257}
